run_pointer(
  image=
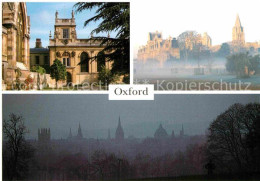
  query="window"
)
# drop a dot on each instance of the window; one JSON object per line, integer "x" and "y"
{"x": 65, "y": 33}
{"x": 84, "y": 59}
{"x": 37, "y": 60}
{"x": 46, "y": 60}
{"x": 66, "y": 62}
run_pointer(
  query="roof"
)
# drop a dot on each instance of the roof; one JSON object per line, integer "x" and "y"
{"x": 39, "y": 50}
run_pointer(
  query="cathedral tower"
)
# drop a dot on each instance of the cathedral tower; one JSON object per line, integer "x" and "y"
{"x": 44, "y": 135}
{"x": 119, "y": 132}
{"x": 238, "y": 36}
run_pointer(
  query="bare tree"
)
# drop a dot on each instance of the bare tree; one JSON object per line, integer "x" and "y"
{"x": 17, "y": 152}
{"x": 227, "y": 140}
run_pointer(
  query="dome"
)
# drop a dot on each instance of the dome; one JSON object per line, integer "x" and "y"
{"x": 160, "y": 132}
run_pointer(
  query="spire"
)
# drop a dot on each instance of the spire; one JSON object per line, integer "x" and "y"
{"x": 119, "y": 132}
{"x": 72, "y": 14}
{"x": 238, "y": 23}
{"x": 56, "y": 14}
{"x": 70, "y": 135}
{"x": 79, "y": 132}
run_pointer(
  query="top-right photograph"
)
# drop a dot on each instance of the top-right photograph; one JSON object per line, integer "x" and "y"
{"x": 198, "y": 45}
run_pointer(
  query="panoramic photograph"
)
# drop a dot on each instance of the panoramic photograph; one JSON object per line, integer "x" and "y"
{"x": 65, "y": 45}
{"x": 88, "y": 137}
{"x": 206, "y": 46}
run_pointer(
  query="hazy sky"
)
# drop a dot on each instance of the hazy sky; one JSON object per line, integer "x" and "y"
{"x": 97, "y": 114}
{"x": 216, "y": 17}
{"x": 42, "y": 19}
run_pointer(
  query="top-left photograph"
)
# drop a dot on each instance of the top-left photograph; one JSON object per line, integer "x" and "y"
{"x": 65, "y": 45}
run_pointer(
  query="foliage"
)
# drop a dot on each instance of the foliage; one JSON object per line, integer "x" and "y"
{"x": 126, "y": 79}
{"x": 106, "y": 76}
{"x": 236, "y": 64}
{"x": 18, "y": 73}
{"x": 113, "y": 16}
{"x": 40, "y": 71}
{"x": 28, "y": 81}
{"x": 17, "y": 152}
{"x": 224, "y": 50}
{"x": 58, "y": 71}
{"x": 232, "y": 141}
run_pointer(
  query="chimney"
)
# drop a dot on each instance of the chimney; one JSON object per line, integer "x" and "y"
{"x": 38, "y": 43}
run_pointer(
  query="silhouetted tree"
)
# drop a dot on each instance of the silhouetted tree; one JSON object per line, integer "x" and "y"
{"x": 229, "y": 135}
{"x": 17, "y": 153}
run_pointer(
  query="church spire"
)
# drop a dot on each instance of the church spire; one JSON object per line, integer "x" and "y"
{"x": 238, "y": 22}
{"x": 79, "y": 132}
{"x": 119, "y": 132}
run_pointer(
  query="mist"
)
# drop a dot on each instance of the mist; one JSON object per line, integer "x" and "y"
{"x": 97, "y": 114}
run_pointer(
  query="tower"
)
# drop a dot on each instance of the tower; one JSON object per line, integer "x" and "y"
{"x": 79, "y": 135}
{"x": 65, "y": 29}
{"x": 182, "y": 131}
{"x": 119, "y": 137}
{"x": 238, "y": 36}
{"x": 44, "y": 135}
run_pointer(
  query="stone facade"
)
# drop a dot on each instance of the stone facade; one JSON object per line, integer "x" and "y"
{"x": 162, "y": 50}
{"x": 66, "y": 47}
{"x": 15, "y": 41}
{"x": 159, "y": 49}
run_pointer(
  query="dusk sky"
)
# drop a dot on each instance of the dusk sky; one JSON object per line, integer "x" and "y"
{"x": 42, "y": 17}
{"x": 97, "y": 114}
{"x": 216, "y": 17}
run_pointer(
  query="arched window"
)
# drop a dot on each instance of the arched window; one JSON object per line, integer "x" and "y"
{"x": 66, "y": 59}
{"x": 101, "y": 61}
{"x": 84, "y": 59}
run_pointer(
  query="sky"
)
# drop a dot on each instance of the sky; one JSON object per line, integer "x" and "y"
{"x": 42, "y": 19}
{"x": 216, "y": 17}
{"x": 97, "y": 114}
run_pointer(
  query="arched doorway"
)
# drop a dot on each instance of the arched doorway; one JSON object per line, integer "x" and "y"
{"x": 69, "y": 78}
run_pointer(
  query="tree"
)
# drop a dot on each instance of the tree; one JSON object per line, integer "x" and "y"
{"x": 58, "y": 71}
{"x": 40, "y": 71}
{"x": 112, "y": 17}
{"x": 224, "y": 50}
{"x": 106, "y": 77}
{"x": 229, "y": 138}
{"x": 17, "y": 152}
{"x": 237, "y": 63}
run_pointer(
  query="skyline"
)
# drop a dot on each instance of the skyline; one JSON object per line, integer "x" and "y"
{"x": 42, "y": 19}
{"x": 97, "y": 114}
{"x": 217, "y": 18}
